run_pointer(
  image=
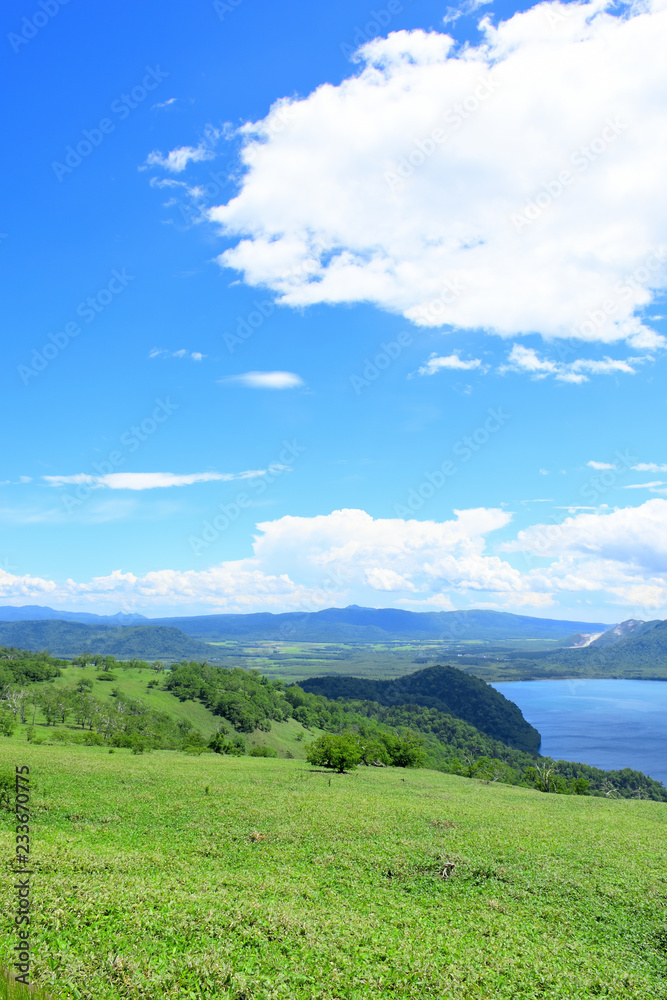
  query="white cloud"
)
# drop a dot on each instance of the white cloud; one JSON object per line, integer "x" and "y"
{"x": 350, "y": 557}
{"x": 652, "y": 487}
{"x": 479, "y": 134}
{"x": 649, "y": 467}
{"x": 600, "y": 466}
{"x": 148, "y": 480}
{"x": 527, "y": 360}
{"x": 464, "y": 9}
{"x": 164, "y": 104}
{"x": 451, "y": 361}
{"x": 265, "y": 380}
{"x": 178, "y": 159}
{"x": 158, "y": 352}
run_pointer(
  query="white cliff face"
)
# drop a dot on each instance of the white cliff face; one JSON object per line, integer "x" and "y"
{"x": 584, "y": 639}
{"x": 608, "y": 638}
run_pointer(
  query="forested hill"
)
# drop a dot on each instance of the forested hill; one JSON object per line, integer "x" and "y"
{"x": 445, "y": 689}
{"x": 71, "y": 638}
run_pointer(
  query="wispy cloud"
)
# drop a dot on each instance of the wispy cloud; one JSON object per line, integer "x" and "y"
{"x": 464, "y": 9}
{"x": 438, "y": 363}
{"x": 265, "y": 380}
{"x": 651, "y": 487}
{"x": 164, "y": 104}
{"x": 159, "y": 352}
{"x": 526, "y": 360}
{"x": 649, "y": 467}
{"x": 152, "y": 480}
{"x": 176, "y": 160}
{"x": 600, "y": 466}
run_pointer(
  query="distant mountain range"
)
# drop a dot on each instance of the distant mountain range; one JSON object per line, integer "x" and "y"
{"x": 351, "y": 624}
{"x": 35, "y": 613}
{"x": 144, "y": 642}
{"x": 630, "y": 649}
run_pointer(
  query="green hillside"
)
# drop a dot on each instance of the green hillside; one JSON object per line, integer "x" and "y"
{"x": 226, "y": 878}
{"x": 443, "y": 688}
{"x": 198, "y": 707}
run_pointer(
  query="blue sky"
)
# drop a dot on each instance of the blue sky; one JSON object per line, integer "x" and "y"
{"x": 441, "y": 291}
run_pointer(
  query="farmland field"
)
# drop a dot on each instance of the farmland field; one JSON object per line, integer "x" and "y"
{"x": 166, "y": 875}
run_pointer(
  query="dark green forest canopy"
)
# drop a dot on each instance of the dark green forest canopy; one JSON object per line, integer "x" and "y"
{"x": 446, "y": 689}
{"x": 21, "y": 666}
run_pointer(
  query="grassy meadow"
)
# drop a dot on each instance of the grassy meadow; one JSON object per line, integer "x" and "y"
{"x": 170, "y": 876}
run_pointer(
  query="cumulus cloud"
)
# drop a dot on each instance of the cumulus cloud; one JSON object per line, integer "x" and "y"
{"x": 265, "y": 380}
{"x": 452, "y": 361}
{"x": 348, "y": 556}
{"x": 633, "y": 536}
{"x": 402, "y": 186}
{"x": 649, "y": 467}
{"x": 150, "y": 480}
{"x": 600, "y": 466}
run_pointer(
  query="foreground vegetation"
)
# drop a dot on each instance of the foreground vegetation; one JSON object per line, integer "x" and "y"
{"x": 97, "y": 701}
{"x": 170, "y": 876}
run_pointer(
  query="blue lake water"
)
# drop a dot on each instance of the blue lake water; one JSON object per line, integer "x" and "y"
{"x": 606, "y": 723}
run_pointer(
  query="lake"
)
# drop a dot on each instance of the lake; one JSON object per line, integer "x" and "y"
{"x": 606, "y": 723}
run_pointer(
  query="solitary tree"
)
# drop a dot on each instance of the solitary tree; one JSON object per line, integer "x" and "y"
{"x": 340, "y": 752}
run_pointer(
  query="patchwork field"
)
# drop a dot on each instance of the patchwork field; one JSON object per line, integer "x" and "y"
{"x": 295, "y": 662}
{"x": 172, "y": 876}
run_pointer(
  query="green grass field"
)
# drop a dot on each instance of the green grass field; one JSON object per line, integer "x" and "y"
{"x": 170, "y": 876}
{"x": 133, "y": 682}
